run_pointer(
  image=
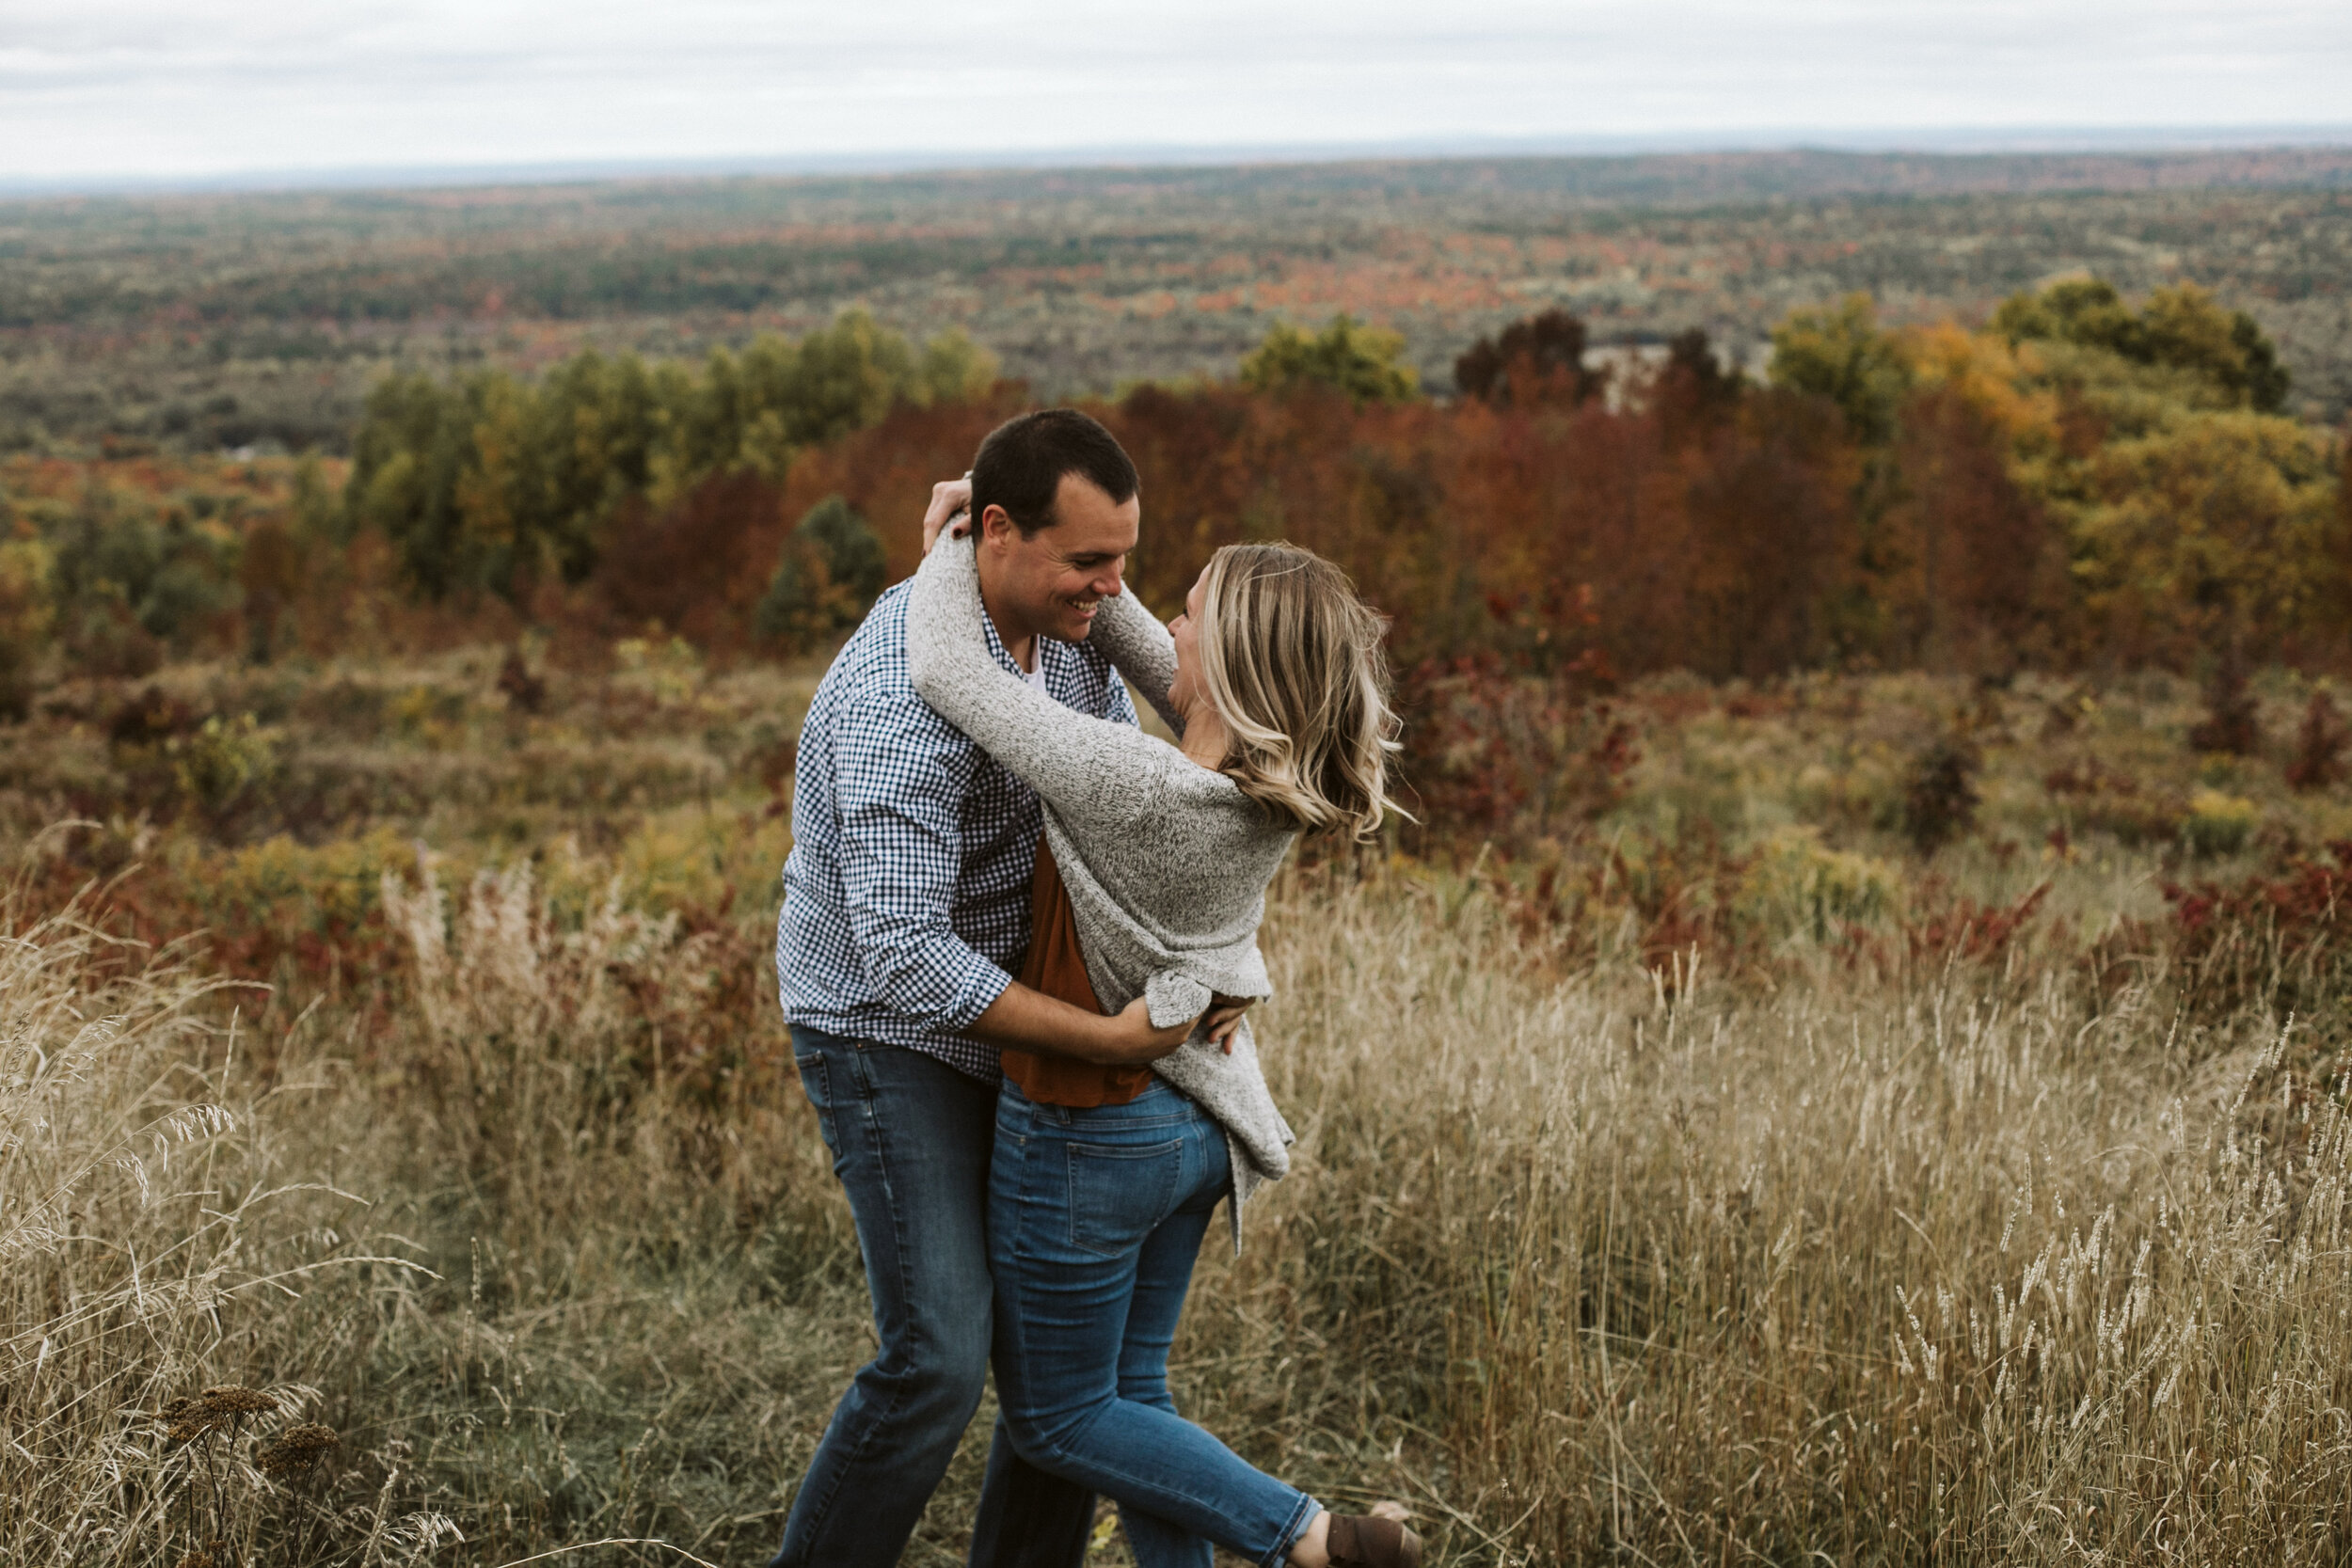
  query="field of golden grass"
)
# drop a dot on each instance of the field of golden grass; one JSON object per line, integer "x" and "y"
{"x": 1872, "y": 1225}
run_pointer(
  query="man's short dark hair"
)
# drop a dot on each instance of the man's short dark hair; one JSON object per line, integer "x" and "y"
{"x": 1022, "y": 462}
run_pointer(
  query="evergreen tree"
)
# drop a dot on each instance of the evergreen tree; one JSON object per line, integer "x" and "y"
{"x": 830, "y": 572}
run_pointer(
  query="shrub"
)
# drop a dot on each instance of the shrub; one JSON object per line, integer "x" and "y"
{"x": 149, "y": 718}
{"x": 524, "y": 691}
{"x": 692, "y": 566}
{"x": 1948, "y": 928}
{"x": 2217, "y": 824}
{"x": 1798, "y": 887}
{"x": 2232, "y": 725}
{"x": 2281, "y": 937}
{"x": 222, "y": 760}
{"x": 671, "y": 672}
{"x": 1496, "y": 749}
{"x": 2318, "y": 761}
{"x": 102, "y": 639}
{"x": 1940, "y": 801}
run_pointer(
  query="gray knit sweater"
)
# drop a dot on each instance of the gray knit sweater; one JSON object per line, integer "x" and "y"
{"x": 1167, "y": 862}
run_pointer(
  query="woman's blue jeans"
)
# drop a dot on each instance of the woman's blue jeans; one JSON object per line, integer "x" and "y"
{"x": 1095, "y": 1217}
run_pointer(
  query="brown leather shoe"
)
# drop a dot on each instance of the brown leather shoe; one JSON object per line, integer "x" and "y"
{"x": 1361, "y": 1540}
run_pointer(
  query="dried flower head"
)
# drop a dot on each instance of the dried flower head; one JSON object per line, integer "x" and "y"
{"x": 224, "y": 1405}
{"x": 186, "y": 1419}
{"x": 299, "y": 1451}
{"x": 213, "y": 1554}
{"x": 239, "y": 1400}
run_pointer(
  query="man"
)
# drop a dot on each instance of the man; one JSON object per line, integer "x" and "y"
{"x": 906, "y": 905}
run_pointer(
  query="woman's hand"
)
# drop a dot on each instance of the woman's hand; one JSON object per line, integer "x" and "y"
{"x": 1223, "y": 1017}
{"x": 950, "y": 512}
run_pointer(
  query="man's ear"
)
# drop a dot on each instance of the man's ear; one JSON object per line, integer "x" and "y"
{"x": 997, "y": 527}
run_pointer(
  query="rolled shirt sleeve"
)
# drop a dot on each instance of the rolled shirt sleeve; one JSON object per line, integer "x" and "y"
{"x": 899, "y": 793}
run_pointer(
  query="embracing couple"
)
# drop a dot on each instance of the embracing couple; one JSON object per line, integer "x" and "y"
{"x": 1018, "y": 945}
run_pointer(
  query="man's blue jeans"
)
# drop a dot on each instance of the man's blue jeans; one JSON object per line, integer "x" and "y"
{"x": 910, "y": 1140}
{"x": 1096, "y": 1219}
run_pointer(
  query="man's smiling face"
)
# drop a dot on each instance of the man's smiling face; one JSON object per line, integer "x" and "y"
{"x": 1051, "y": 584}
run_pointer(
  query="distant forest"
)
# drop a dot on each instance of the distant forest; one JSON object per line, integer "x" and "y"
{"x": 196, "y": 322}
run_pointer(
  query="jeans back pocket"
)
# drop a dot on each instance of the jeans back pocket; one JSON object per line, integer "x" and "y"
{"x": 1118, "y": 1194}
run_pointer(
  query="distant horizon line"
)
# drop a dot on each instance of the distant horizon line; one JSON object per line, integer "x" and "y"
{"x": 1943, "y": 142}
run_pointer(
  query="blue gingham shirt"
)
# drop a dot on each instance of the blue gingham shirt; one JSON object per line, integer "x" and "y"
{"x": 906, "y": 896}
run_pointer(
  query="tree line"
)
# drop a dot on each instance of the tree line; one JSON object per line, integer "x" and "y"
{"x": 2082, "y": 480}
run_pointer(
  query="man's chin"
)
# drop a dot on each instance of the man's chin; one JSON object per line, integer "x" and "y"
{"x": 1075, "y": 628}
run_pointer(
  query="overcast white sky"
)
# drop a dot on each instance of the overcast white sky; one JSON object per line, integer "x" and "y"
{"x": 95, "y": 88}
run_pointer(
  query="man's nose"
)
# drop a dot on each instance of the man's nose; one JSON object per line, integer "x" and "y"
{"x": 1106, "y": 585}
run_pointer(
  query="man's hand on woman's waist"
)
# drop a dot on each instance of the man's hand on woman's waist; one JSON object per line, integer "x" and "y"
{"x": 1025, "y": 1019}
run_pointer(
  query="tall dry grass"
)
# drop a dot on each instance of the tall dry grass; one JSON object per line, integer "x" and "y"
{"x": 167, "y": 1245}
{"x": 1971, "y": 1265}
{"x": 1973, "y": 1268}
{"x": 538, "y": 1289}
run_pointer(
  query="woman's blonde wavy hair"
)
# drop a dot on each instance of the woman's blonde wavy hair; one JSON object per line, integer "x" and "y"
{"x": 1291, "y": 660}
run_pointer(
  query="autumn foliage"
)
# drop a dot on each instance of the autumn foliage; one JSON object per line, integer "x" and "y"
{"x": 2081, "y": 484}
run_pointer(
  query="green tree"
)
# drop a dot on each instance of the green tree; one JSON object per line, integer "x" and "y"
{"x": 500, "y": 494}
{"x": 129, "y": 577}
{"x": 831, "y": 569}
{"x": 2084, "y": 310}
{"x": 2219, "y": 529}
{"x": 1364, "y": 362}
{"x": 2187, "y": 329}
{"x": 2180, "y": 328}
{"x": 954, "y": 368}
{"x": 413, "y": 440}
{"x": 596, "y": 424}
{"x": 485, "y": 484}
{"x": 845, "y": 377}
{"x": 1841, "y": 354}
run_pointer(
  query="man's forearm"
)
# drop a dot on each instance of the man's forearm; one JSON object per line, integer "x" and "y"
{"x": 1023, "y": 1019}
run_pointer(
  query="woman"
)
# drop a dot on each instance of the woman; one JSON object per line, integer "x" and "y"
{"x": 1151, "y": 883}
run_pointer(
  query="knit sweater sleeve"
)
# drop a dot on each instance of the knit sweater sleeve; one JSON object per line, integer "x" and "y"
{"x": 1089, "y": 768}
{"x": 1132, "y": 637}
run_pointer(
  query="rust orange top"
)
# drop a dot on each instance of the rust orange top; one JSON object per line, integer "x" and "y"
{"x": 1055, "y": 965}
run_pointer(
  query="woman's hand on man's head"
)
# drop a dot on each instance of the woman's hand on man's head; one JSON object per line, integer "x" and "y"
{"x": 950, "y": 512}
